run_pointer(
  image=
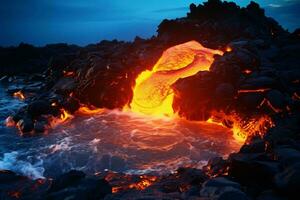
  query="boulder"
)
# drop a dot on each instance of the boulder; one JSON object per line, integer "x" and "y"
{"x": 25, "y": 125}
{"x": 68, "y": 179}
{"x": 222, "y": 188}
{"x": 257, "y": 146}
{"x": 225, "y": 91}
{"x": 287, "y": 156}
{"x": 253, "y": 169}
{"x": 288, "y": 181}
{"x": 260, "y": 82}
{"x": 270, "y": 195}
{"x": 277, "y": 99}
{"x": 39, "y": 107}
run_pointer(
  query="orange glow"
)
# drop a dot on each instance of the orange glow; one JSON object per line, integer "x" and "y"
{"x": 15, "y": 194}
{"x": 9, "y": 122}
{"x": 144, "y": 182}
{"x": 247, "y": 71}
{"x": 254, "y": 91}
{"x": 243, "y": 128}
{"x": 64, "y": 116}
{"x": 86, "y": 110}
{"x": 68, "y": 73}
{"x": 269, "y": 104}
{"x": 152, "y": 94}
{"x": 19, "y": 95}
{"x": 228, "y": 49}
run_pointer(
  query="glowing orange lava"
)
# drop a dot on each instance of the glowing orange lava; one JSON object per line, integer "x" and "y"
{"x": 64, "y": 116}
{"x": 87, "y": 111}
{"x": 19, "y": 95}
{"x": 152, "y": 94}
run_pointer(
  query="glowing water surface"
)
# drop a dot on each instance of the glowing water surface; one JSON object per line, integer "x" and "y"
{"x": 114, "y": 140}
{"x": 127, "y": 142}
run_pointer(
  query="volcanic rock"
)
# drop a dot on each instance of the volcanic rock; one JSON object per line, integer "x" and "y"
{"x": 257, "y": 146}
{"x": 38, "y": 108}
{"x": 222, "y": 188}
{"x": 258, "y": 83}
{"x": 225, "y": 91}
{"x": 89, "y": 188}
{"x": 216, "y": 166}
{"x": 287, "y": 156}
{"x": 288, "y": 181}
{"x": 70, "y": 178}
{"x": 25, "y": 125}
{"x": 253, "y": 168}
{"x": 198, "y": 93}
{"x": 270, "y": 195}
{"x": 7, "y": 176}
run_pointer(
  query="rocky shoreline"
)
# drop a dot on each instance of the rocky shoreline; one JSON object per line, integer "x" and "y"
{"x": 257, "y": 76}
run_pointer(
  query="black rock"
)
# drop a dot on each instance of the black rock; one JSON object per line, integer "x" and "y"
{"x": 221, "y": 182}
{"x": 287, "y": 156}
{"x": 222, "y": 188}
{"x": 258, "y": 83}
{"x": 270, "y": 195}
{"x": 39, "y": 107}
{"x": 25, "y": 125}
{"x": 225, "y": 91}
{"x": 7, "y": 176}
{"x": 68, "y": 179}
{"x": 277, "y": 99}
{"x": 233, "y": 195}
{"x": 257, "y": 146}
{"x": 89, "y": 188}
{"x": 253, "y": 169}
{"x": 40, "y": 126}
{"x": 288, "y": 181}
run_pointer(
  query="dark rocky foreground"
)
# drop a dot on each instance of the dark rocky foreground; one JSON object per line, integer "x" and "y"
{"x": 258, "y": 76}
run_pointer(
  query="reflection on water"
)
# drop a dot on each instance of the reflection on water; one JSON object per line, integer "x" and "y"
{"x": 115, "y": 140}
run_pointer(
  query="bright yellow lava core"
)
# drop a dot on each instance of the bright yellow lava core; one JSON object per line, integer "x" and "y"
{"x": 152, "y": 94}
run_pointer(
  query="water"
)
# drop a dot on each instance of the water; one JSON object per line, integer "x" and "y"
{"x": 114, "y": 140}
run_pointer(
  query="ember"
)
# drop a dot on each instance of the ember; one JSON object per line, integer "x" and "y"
{"x": 19, "y": 95}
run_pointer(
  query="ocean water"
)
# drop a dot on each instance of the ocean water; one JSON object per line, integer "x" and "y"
{"x": 111, "y": 140}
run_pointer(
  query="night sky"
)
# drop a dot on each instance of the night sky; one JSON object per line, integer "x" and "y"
{"x": 82, "y": 22}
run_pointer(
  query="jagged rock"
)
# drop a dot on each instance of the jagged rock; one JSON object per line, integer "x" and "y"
{"x": 225, "y": 91}
{"x": 233, "y": 195}
{"x": 88, "y": 188}
{"x": 258, "y": 83}
{"x": 287, "y": 156}
{"x": 277, "y": 99}
{"x": 181, "y": 181}
{"x": 40, "y": 126}
{"x": 25, "y": 125}
{"x": 252, "y": 168}
{"x": 65, "y": 86}
{"x": 222, "y": 188}
{"x": 71, "y": 104}
{"x": 249, "y": 101}
{"x": 68, "y": 179}
{"x": 198, "y": 93}
{"x": 288, "y": 181}
{"x": 254, "y": 147}
{"x": 38, "y": 108}
{"x": 270, "y": 195}
{"x": 7, "y": 176}
{"x": 216, "y": 166}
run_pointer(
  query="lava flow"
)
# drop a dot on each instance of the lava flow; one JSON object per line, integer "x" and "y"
{"x": 152, "y": 92}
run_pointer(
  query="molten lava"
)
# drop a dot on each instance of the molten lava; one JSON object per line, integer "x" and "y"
{"x": 19, "y": 95}
{"x": 152, "y": 94}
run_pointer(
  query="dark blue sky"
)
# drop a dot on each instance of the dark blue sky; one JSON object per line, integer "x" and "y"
{"x": 88, "y": 21}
